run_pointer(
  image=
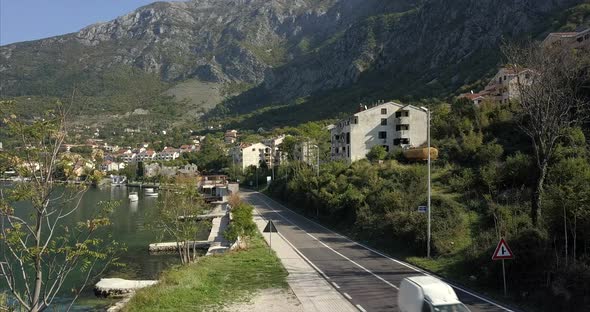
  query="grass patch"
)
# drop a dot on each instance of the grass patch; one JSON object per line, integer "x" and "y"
{"x": 214, "y": 281}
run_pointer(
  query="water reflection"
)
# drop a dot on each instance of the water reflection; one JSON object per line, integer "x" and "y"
{"x": 129, "y": 227}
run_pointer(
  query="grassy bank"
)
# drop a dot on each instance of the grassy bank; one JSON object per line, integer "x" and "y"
{"x": 214, "y": 281}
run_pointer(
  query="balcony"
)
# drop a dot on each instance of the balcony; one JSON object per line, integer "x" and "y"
{"x": 404, "y": 120}
{"x": 402, "y": 134}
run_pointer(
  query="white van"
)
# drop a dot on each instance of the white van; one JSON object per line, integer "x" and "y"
{"x": 427, "y": 294}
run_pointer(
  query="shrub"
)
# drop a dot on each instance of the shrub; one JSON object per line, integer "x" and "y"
{"x": 242, "y": 224}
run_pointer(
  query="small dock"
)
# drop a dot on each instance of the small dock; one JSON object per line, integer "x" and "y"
{"x": 218, "y": 242}
{"x": 118, "y": 287}
{"x": 172, "y": 246}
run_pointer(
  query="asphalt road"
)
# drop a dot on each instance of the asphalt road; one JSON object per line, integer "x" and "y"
{"x": 368, "y": 278}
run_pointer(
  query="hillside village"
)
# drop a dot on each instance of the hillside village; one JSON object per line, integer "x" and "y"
{"x": 329, "y": 155}
{"x": 390, "y": 125}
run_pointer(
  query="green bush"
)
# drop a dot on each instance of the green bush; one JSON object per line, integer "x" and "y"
{"x": 241, "y": 224}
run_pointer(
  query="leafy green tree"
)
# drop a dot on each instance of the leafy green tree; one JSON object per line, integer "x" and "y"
{"x": 39, "y": 252}
{"x": 242, "y": 225}
{"x": 377, "y": 152}
{"x": 176, "y": 214}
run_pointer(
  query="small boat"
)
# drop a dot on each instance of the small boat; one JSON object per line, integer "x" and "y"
{"x": 151, "y": 194}
{"x": 149, "y": 190}
{"x": 133, "y": 196}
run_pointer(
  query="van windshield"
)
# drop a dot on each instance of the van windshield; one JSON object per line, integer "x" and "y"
{"x": 458, "y": 307}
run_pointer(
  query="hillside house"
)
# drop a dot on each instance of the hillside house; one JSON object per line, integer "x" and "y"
{"x": 388, "y": 124}
{"x": 275, "y": 157}
{"x": 247, "y": 155}
{"x": 167, "y": 154}
{"x": 231, "y": 136}
{"x": 573, "y": 40}
{"x": 146, "y": 155}
{"x": 503, "y": 87}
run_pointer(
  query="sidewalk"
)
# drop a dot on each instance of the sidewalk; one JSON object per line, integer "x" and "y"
{"x": 312, "y": 290}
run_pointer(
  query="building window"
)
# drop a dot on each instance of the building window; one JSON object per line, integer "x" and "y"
{"x": 580, "y": 39}
{"x": 347, "y": 137}
{"x": 344, "y": 149}
{"x": 403, "y": 113}
{"x": 402, "y": 127}
{"x": 356, "y": 120}
{"x": 383, "y": 121}
{"x": 384, "y": 111}
{"x": 336, "y": 137}
{"x": 382, "y": 135}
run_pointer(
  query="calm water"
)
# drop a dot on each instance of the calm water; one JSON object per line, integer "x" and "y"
{"x": 129, "y": 227}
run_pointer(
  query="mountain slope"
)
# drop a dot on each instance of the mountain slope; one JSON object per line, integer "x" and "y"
{"x": 314, "y": 57}
{"x": 429, "y": 51}
{"x": 211, "y": 40}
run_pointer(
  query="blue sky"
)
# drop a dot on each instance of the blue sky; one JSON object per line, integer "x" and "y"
{"x": 23, "y": 20}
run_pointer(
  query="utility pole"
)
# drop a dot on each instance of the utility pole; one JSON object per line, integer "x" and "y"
{"x": 429, "y": 186}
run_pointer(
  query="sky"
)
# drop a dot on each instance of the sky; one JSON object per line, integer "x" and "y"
{"x": 23, "y": 20}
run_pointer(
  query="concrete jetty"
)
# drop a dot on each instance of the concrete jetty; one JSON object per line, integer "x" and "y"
{"x": 218, "y": 242}
{"x": 220, "y": 210}
{"x": 171, "y": 246}
{"x": 118, "y": 287}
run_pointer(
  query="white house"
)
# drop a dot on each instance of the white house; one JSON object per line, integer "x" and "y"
{"x": 167, "y": 154}
{"x": 275, "y": 157}
{"x": 247, "y": 155}
{"x": 146, "y": 155}
{"x": 109, "y": 165}
{"x": 128, "y": 156}
{"x": 388, "y": 124}
{"x": 231, "y": 136}
{"x": 503, "y": 87}
{"x": 573, "y": 40}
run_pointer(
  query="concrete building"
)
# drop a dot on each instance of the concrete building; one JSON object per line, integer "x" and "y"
{"x": 247, "y": 155}
{"x": 503, "y": 87}
{"x": 275, "y": 156}
{"x": 388, "y": 124}
{"x": 167, "y": 154}
{"x": 573, "y": 40}
{"x": 231, "y": 136}
{"x": 109, "y": 165}
{"x": 306, "y": 152}
{"x": 146, "y": 155}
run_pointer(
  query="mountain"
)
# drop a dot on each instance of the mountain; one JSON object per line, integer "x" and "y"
{"x": 285, "y": 52}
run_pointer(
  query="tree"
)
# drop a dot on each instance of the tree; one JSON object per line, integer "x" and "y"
{"x": 176, "y": 218}
{"x": 39, "y": 252}
{"x": 549, "y": 83}
{"x": 377, "y": 152}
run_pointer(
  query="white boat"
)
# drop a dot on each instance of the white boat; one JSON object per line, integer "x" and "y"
{"x": 133, "y": 196}
{"x": 149, "y": 190}
{"x": 151, "y": 194}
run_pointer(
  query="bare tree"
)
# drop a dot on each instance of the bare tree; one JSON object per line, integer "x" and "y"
{"x": 549, "y": 85}
{"x": 39, "y": 250}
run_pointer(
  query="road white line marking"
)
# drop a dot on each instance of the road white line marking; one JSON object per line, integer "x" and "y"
{"x": 297, "y": 250}
{"x": 336, "y": 285}
{"x": 361, "y": 308}
{"x": 347, "y": 296}
{"x": 336, "y": 252}
{"x": 388, "y": 257}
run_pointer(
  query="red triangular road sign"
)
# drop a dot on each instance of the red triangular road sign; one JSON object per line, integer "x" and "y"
{"x": 502, "y": 251}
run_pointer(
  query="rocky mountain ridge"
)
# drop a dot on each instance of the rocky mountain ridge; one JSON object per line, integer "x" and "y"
{"x": 289, "y": 49}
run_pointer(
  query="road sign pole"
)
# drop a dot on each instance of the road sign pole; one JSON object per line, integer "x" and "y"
{"x": 429, "y": 190}
{"x": 270, "y": 248}
{"x": 504, "y": 276}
